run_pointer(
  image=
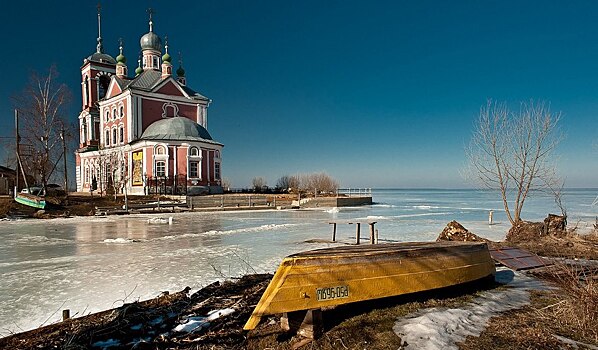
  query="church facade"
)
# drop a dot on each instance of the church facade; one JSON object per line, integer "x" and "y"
{"x": 145, "y": 132}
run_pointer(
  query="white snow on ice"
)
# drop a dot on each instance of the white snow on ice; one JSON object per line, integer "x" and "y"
{"x": 197, "y": 323}
{"x": 442, "y": 328}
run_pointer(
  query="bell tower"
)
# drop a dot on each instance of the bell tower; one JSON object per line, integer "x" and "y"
{"x": 151, "y": 47}
{"x": 96, "y": 72}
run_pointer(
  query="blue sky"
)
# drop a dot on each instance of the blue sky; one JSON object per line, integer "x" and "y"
{"x": 377, "y": 94}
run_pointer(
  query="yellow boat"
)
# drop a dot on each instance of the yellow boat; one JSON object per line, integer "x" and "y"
{"x": 333, "y": 276}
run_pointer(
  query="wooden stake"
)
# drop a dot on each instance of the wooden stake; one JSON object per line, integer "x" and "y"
{"x": 357, "y": 232}
{"x": 66, "y": 314}
{"x": 372, "y": 238}
{"x": 333, "y": 231}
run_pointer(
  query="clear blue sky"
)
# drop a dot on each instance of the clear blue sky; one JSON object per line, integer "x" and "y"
{"x": 377, "y": 94}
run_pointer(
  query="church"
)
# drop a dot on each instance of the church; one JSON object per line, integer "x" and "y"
{"x": 146, "y": 132}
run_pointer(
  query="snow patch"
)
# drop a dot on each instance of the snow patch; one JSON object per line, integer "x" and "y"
{"x": 442, "y": 328}
{"x": 197, "y": 323}
{"x": 118, "y": 240}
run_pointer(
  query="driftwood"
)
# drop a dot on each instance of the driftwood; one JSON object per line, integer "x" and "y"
{"x": 454, "y": 231}
{"x": 149, "y": 324}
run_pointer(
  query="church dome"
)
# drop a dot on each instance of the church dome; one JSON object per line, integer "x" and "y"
{"x": 101, "y": 57}
{"x": 176, "y": 128}
{"x": 150, "y": 41}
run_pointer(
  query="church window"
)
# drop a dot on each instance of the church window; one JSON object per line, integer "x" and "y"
{"x": 107, "y": 138}
{"x": 217, "y": 154}
{"x": 194, "y": 152}
{"x": 160, "y": 168}
{"x": 107, "y": 116}
{"x": 83, "y": 132}
{"x": 217, "y": 171}
{"x": 85, "y": 88}
{"x": 121, "y": 134}
{"x": 103, "y": 82}
{"x": 114, "y": 115}
{"x": 155, "y": 61}
{"x": 160, "y": 150}
{"x": 194, "y": 169}
{"x": 122, "y": 111}
{"x": 114, "y": 136}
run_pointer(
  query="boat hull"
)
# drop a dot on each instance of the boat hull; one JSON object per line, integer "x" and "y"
{"x": 31, "y": 200}
{"x": 333, "y": 276}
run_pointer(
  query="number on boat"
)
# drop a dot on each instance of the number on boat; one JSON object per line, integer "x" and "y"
{"x": 330, "y": 293}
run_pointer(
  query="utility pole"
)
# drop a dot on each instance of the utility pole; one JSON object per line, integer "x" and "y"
{"x": 66, "y": 179}
{"x": 17, "y": 151}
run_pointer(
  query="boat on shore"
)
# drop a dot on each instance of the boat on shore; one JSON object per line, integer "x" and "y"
{"x": 31, "y": 200}
{"x": 332, "y": 276}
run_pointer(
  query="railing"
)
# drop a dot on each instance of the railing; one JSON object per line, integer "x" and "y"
{"x": 354, "y": 192}
{"x": 176, "y": 185}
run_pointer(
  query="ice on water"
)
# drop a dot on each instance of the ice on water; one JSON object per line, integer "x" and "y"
{"x": 91, "y": 264}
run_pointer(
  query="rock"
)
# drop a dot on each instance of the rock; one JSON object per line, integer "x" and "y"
{"x": 39, "y": 214}
{"x": 454, "y": 231}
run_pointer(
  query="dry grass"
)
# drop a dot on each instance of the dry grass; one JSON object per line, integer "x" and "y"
{"x": 575, "y": 310}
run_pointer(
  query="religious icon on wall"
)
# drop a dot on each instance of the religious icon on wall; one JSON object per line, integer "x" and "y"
{"x": 138, "y": 168}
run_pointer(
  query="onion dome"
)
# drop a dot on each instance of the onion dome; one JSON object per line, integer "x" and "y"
{"x": 121, "y": 59}
{"x": 151, "y": 41}
{"x": 166, "y": 57}
{"x": 180, "y": 71}
{"x": 139, "y": 70}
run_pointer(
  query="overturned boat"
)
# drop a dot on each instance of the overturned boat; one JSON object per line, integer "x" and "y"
{"x": 327, "y": 277}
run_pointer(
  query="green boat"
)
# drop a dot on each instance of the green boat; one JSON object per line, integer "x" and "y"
{"x": 31, "y": 200}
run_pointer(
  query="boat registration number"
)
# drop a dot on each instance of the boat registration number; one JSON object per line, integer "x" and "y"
{"x": 330, "y": 293}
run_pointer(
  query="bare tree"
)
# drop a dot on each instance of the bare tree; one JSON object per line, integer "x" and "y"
{"x": 42, "y": 118}
{"x": 287, "y": 183}
{"x": 317, "y": 183}
{"x": 258, "y": 183}
{"x": 513, "y": 153}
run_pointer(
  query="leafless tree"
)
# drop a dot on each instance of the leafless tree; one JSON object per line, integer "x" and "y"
{"x": 259, "y": 184}
{"x": 42, "y": 119}
{"x": 287, "y": 183}
{"x": 318, "y": 183}
{"x": 513, "y": 152}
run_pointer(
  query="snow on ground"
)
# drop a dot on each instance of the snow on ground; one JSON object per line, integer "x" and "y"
{"x": 442, "y": 328}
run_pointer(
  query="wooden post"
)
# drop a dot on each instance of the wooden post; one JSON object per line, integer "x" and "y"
{"x": 305, "y": 323}
{"x": 357, "y": 232}
{"x": 222, "y": 201}
{"x": 372, "y": 238}
{"x": 376, "y": 236}
{"x": 333, "y": 231}
{"x": 490, "y": 214}
{"x": 66, "y": 314}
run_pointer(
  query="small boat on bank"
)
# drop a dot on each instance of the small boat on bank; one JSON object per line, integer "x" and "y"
{"x": 31, "y": 200}
{"x": 333, "y": 276}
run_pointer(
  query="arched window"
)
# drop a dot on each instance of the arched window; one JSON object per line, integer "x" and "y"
{"x": 194, "y": 152}
{"x": 107, "y": 116}
{"x": 160, "y": 150}
{"x": 122, "y": 111}
{"x": 114, "y": 115}
{"x": 103, "y": 83}
{"x": 217, "y": 154}
{"x": 107, "y": 138}
{"x": 85, "y": 90}
{"x": 121, "y": 134}
{"x": 114, "y": 136}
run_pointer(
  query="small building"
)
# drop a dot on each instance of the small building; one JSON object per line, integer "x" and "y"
{"x": 7, "y": 180}
{"x": 145, "y": 133}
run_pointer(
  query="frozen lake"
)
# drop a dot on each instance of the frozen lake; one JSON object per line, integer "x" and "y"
{"x": 91, "y": 264}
